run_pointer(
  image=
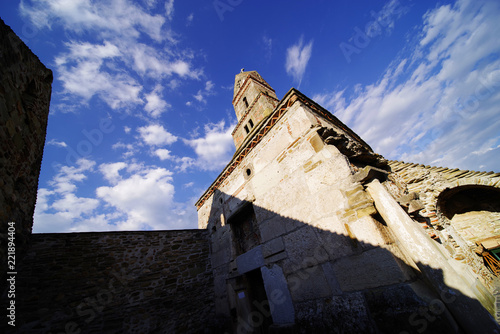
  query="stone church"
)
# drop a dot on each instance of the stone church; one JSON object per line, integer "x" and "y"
{"x": 305, "y": 230}
{"x": 312, "y": 230}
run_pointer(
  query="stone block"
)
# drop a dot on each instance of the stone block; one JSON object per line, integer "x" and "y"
{"x": 250, "y": 260}
{"x": 400, "y": 307}
{"x": 275, "y": 258}
{"x": 301, "y": 246}
{"x": 336, "y": 245}
{"x": 326, "y": 203}
{"x": 272, "y": 228}
{"x": 272, "y": 247}
{"x": 415, "y": 205}
{"x": 278, "y": 295}
{"x": 368, "y": 210}
{"x": 356, "y": 188}
{"x": 369, "y": 173}
{"x": 373, "y": 268}
{"x": 316, "y": 142}
{"x": 358, "y": 198}
{"x": 220, "y": 258}
{"x": 309, "y": 283}
{"x": 367, "y": 232}
{"x": 405, "y": 199}
{"x": 262, "y": 214}
{"x": 331, "y": 279}
{"x": 339, "y": 314}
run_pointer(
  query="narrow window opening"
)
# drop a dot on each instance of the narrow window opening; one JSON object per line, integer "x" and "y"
{"x": 245, "y": 229}
{"x": 251, "y": 123}
{"x": 245, "y": 101}
{"x": 246, "y": 129}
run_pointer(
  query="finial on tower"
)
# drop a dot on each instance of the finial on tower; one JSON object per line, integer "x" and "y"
{"x": 242, "y": 70}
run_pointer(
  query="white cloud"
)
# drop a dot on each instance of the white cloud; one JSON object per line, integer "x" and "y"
{"x": 70, "y": 206}
{"x": 163, "y": 154}
{"x": 156, "y": 135}
{"x": 139, "y": 197}
{"x": 64, "y": 181}
{"x": 129, "y": 149}
{"x": 57, "y": 143}
{"x": 58, "y": 207}
{"x": 121, "y": 17}
{"x": 268, "y": 47}
{"x": 439, "y": 105}
{"x": 82, "y": 71}
{"x": 169, "y": 8}
{"x": 111, "y": 171}
{"x": 183, "y": 163}
{"x": 214, "y": 150}
{"x": 155, "y": 105}
{"x": 297, "y": 57}
{"x": 124, "y": 51}
{"x": 144, "y": 198}
{"x": 189, "y": 19}
{"x": 204, "y": 93}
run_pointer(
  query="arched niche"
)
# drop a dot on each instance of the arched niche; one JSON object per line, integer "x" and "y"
{"x": 473, "y": 211}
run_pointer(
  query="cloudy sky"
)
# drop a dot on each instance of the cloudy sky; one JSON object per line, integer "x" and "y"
{"x": 141, "y": 116}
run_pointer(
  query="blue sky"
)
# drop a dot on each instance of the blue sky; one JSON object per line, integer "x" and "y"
{"x": 141, "y": 112}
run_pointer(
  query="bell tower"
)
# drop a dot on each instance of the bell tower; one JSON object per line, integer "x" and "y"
{"x": 253, "y": 100}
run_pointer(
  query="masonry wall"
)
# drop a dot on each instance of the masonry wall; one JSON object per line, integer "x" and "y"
{"x": 25, "y": 88}
{"x": 474, "y": 199}
{"x": 115, "y": 282}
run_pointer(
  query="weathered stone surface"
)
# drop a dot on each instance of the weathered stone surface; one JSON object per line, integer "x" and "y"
{"x": 415, "y": 205}
{"x": 250, "y": 260}
{"x": 394, "y": 307}
{"x": 369, "y": 173}
{"x": 370, "y": 269}
{"x": 300, "y": 246}
{"x": 272, "y": 247}
{"x": 331, "y": 278}
{"x": 25, "y": 88}
{"x": 278, "y": 295}
{"x": 338, "y": 314}
{"x": 309, "y": 283}
{"x": 116, "y": 282}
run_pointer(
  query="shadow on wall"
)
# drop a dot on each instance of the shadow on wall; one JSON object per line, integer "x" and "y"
{"x": 113, "y": 282}
{"x": 275, "y": 274}
{"x": 271, "y": 273}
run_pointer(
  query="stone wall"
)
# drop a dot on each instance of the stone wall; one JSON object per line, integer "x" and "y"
{"x": 25, "y": 88}
{"x": 457, "y": 208}
{"x": 115, "y": 282}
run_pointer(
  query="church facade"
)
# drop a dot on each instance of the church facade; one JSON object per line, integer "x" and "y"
{"x": 311, "y": 230}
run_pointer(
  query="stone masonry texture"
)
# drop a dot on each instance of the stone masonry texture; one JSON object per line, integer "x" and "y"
{"x": 115, "y": 282}
{"x": 25, "y": 88}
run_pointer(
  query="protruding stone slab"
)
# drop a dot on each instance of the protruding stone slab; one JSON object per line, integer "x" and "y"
{"x": 280, "y": 300}
{"x": 250, "y": 260}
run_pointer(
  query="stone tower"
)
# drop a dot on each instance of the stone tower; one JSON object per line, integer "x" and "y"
{"x": 253, "y": 100}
